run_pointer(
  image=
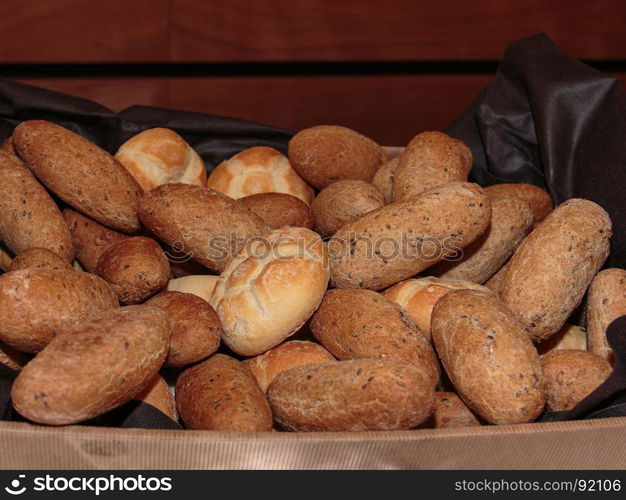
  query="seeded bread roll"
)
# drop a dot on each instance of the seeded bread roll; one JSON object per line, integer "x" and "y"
{"x": 418, "y": 297}
{"x": 29, "y": 218}
{"x": 549, "y": 273}
{"x": 539, "y": 200}
{"x": 195, "y": 327}
{"x": 200, "y": 285}
{"x": 431, "y": 159}
{"x": 80, "y": 173}
{"x": 355, "y": 324}
{"x": 259, "y": 169}
{"x": 606, "y": 302}
{"x": 572, "y": 375}
{"x": 36, "y": 304}
{"x": 280, "y": 209}
{"x": 495, "y": 282}
{"x": 383, "y": 179}
{"x": 221, "y": 394}
{"x": 158, "y": 394}
{"x": 327, "y": 153}
{"x": 342, "y": 202}
{"x": 7, "y": 146}
{"x": 265, "y": 367}
{"x": 399, "y": 240}
{"x": 11, "y": 358}
{"x": 39, "y": 258}
{"x": 354, "y": 395}
{"x": 209, "y": 226}
{"x": 568, "y": 337}
{"x": 159, "y": 155}
{"x": 449, "y": 411}
{"x": 270, "y": 289}
{"x": 90, "y": 239}
{"x": 511, "y": 221}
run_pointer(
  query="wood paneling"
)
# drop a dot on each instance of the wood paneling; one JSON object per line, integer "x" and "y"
{"x": 84, "y": 30}
{"x": 335, "y": 30}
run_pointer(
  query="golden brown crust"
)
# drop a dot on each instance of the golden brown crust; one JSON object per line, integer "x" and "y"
{"x": 418, "y": 297}
{"x": 606, "y": 302}
{"x": 80, "y": 173}
{"x": 159, "y": 155}
{"x": 39, "y": 258}
{"x": 222, "y": 394}
{"x": 206, "y": 224}
{"x": 158, "y": 394}
{"x": 7, "y": 146}
{"x": 356, "y": 324}
{"x": 93, "y": 367}
{"x": 259, "y": 169}
{"x": 539, "y": 200}
{"x": 354, "y": 395}
{"x": 568, "y": 337}
{"x": 327, "y": 153}
{"x": 398, "y": 241}
{"x": 195, "y": 328}
{"x": 135, "y": 268}
{"x": 265, "y": 367}
{"x": 90, "y": 239}
{"x": 383, "y": 179}
{"x": 49, "y": 302}
{"x": 29, "y": 217}
{"x": 343, "y": 201}
{"x": 449, "y": 411}
{"x": 495, "y": 282}
{"x": 431, "y": 159}
{"x": 511, "y": 221}
{"x": 547, "y": 276}
{"x": 488, "y": 357}
{"x": 280, "y": 209}
{"x": 571, "y": 375}
{"x": 270, "y": 289}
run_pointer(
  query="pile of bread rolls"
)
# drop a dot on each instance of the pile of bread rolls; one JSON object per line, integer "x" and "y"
{"x": 332, "y": 289}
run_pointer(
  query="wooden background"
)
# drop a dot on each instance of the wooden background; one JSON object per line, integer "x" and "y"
{"x": 389, "y": 69}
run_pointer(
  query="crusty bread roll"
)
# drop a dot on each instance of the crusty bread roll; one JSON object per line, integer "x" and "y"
{"x": 39, "y": 258}
{"x": 539, "y": 199}
{"x": 569, "y": 337}
{"x": 158, "y": 156}
{"x": 270, "y": 289}
{"x": 280, "y": 209}
{"x": 418, "y": 296}
{"x": 11, "y": 358}
{"x": 7, "y": 146}
{"x": 158, "y": 394}
{"x": 287, "y": 355}
{"x": 258, "y": 170}
{"x": 200, "y": 285}
{"x": 383, "y": 178}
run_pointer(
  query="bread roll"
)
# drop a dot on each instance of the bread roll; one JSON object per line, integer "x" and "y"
{"x": 29, "y": 218}
{"x": 159, "y": 155}
{"x": 11, "y": 358}
{"x": 39, "y": 258}
{"x": 568, "y": 337}
{"x": 270, "y": 289}
{"x": 5, "y": 258}
{"x": 539, "y": 200}
{"x": 90, "y": 239}
{"x": 343, "y": 201}
{"x": 606, "y": 302}
{"x": 80, "y": 173}
{"x": 199, "y": 285}
{"x": 449, "y": 411}
{"x": 383, "y": 178}
{"x": 7, "y": 146}
{"x": 328, "y": 153}
{"x": 265, "y": 367}
{"x": 418, "y": 297}
{"x": 280, "y": 209}
{"x": 158, "y": 394}
{"x": 259, "y": 169}
{"x": 194, "y": 326}
{"x": 495, "y": 282}
{"x": 431, "y": 159}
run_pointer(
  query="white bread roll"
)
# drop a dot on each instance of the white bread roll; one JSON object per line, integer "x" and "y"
{"x": 258, "y": 170}
{"x": 568, "y": 337}
{"x": 418, "y": 296}
{"x": 270, "y": 289}
{"x": 201, "y": 285}
{"x": 287, "y": 355}
{"x": 159, "y": 156}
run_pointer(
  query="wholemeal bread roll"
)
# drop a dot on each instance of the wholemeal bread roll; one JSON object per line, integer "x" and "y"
{"x": 449, "y": 411}
{"x": 418, "y": 296}
{"x": 5, "y": 258}
{"x": 606, "y": 302}
{"x": 11, "y": 358}
{"x": 158, "y": 394}
{"x": 569, "y": 337}
{"x": 431, "y": 159}
{"x": 495, "y": 282}
{"x": 328, "y": 153}
{"x": 342, "y": 202}
{"x": 258, "y": 169}
{"x": 270, "y": 289}
{"x": 29, "y": 218}
{"x": 539, "y": 200}
{"x": 7, "y": 146}
{"x": 383, "y": 179}
{"x": 39, "y": 258}
{"x": 200, "y": 285}
{"x": 265, "y": 367}
{"x": 280, "y": 209}
{"x": 159, "y": 155}
{"x": 80, "y": 173}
